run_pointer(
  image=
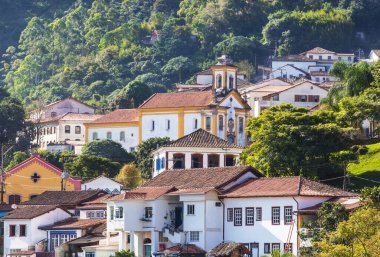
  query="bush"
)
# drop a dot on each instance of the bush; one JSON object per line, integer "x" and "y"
{"x": 363, "y": 150}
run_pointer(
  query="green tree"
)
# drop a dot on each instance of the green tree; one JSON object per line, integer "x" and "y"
{"x": 143, "y": 154}
{"x": 371, "y": 196}
{"x": 124, "y": 253}
{"x": 237, "y": 47}
{"x": 12, "y": 119}
{"x": 178, "y": 69}
{"x": 107, "y": 149}
{"x": 18, "y": 157}
{"x": 129, "y": 176}
{"x": 290, "y": 141}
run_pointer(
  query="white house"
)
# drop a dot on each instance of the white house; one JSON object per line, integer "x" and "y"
{"x": 220, "y": 110}
{"x": 207, "y": 206}
{"x": 104, "y": 183}
{"x": 21, "y": 228}
{"x": 374, "y": 55}
{"x": 288, "y": 71}
{"x": 199, "y": 149}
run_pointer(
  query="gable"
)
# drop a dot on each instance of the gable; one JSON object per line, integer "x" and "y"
{"x": 234, "y": 100}
{"x": 306, "y": 88}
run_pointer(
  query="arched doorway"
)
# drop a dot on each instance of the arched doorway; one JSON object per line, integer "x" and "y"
{"x": 147, "y": 247}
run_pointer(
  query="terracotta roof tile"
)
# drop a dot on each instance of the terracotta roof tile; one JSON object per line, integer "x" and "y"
{"x": 226, "y": 249}
{"x": 185, "y": 249}
{"x": 319, "y": 50}
{"x": 30, "y": 212}
{"x": 74, "y": 223}
{"x": 350, "y": 203}
{"x": 201, "y": 138}
{"x": 118, "y": 116}
{"x": 145, "y": 193}
{"x": 285, "y": 186}
{"x": 319, "y": 73}
{"x": 179, "y": 99}
{"x": 376, "y": 51}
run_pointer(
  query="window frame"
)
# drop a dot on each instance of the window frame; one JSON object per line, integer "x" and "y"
{"x": 14, "y": 231}
{"x": 67, "y": 129}
{"x": 236, "y": 224}
{"x": 276, "y": 244}
{"x": 77, "y": 130}
{"x": 94, "y": 135}
{"x": 279, "y": 215}
{"x": 285, "y": 216}
{"x": 190, "y": 209}
{"x": 267, "y": 248}
{"x": 148, "y": 212}
{"x": 241, "y": 125}
{"x": 220, "y": 122}
{"x": 288, "y": 247}
{"x": 109, "y": 133}
{"x": 22, "y": 226}
{"x": 119, "y": 212}
{"x": 230, "y": 215}
{"x": 208, "y": 123}
{"x": 122, "y": 136}
{"x": 252, "y": 223}
{"x": 259, "y": 210}
{"x": 195, "y": 234}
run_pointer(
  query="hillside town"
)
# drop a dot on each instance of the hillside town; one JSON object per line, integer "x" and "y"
{"x": 189, "y": 128}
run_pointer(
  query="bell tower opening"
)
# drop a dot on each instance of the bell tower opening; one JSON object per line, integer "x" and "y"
{"x": 224, "y": 76}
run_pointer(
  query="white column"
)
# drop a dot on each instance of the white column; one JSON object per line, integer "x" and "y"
{"x": 187, "y": 160}
{"x": 205, "y": 161}
{"x": 132, "y": 240}
{"x": 154, "y": 239}
{"x": 122, "y": 241}
{"x": 221, "y": 160}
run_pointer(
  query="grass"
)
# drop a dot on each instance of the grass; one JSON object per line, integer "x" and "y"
{"x": 367, "y": 168}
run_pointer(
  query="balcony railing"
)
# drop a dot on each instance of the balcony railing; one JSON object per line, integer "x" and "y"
{"x": 147, "y": 218}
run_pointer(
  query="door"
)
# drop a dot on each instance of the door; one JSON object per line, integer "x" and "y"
{"x": 178, "y": 216}
{"x": 254, "y": 250}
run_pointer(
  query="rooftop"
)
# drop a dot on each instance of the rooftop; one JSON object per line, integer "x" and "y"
{"x": 30, "y": 212}
{"x": 74, "y": 223}
{"x": 319, "y": 50}
{"x": 118, "y": 116}
{"x": 185, "y": 249}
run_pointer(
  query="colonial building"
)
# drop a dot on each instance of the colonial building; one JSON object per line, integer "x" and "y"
{"x": 220, "y": 110}
{"x": 205, "y": 207}
{"x": 104, "y": 183}
{"x": 374, "y": 55}
{"x": 313, "y": 64}
{"x": 199, "y": 149}
{"x": 33, "y": 177}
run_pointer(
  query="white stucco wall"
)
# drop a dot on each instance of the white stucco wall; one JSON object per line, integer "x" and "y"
{"x": 102, "y": 183}
{"x": 160, "y": 126}
{"x": 300, "y": 65}
{"x": 287, "y": 72}
{"x": 131, "y": 135}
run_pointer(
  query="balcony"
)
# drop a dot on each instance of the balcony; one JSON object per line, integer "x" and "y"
{"x": 174, "y": 235}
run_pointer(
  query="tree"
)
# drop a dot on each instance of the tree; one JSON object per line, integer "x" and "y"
{"x": 138, "y": 92}
{"x": 124, "y": 253}
{"x": 129, "y": 176}
{"x": 371, "y": 196}
{"x": 290, "y": 141}
{"x": 11, "y": 119}
{"x": 237, "y": 47}
{"x": 18, "y": 157}
{"x": 143, "y": 160}
{"x": 358, "y": 236}
{"x": 89, "y": 166}
{"x": 178, "y": 69}
{"x": 107, "y": 149}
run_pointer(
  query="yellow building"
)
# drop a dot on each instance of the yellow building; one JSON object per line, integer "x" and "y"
{"x": 33, "y": 177}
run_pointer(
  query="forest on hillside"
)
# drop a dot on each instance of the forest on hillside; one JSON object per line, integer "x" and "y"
{"x": 116, "y": 53}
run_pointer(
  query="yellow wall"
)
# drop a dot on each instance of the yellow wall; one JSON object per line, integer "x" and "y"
{"x": 21, "y": 184}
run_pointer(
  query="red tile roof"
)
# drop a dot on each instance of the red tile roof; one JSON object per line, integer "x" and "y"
{"x": 285, "y": 186}
{"x": 74, "y": 223}
{"x": 350, "y": 203}
{"x": 145, "y": 193}
{"x": 376, "y": 52}
{"x": 179, "y": 99}
{"x": 118, "y": 116}
{"x": 185, "y": 249}
{"x": 319, "y": 50}
{"x": 30, "y": 212}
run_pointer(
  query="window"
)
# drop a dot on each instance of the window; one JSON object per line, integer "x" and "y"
{"x": 190, "y": 209}
{"x": 122, "y": 136}
{"x": 152, "y": 125}
{"x": 119, "y": 212}
{"x": 162, "y": 162}
{"x": 23, "y": 230}
{"x": 67, "y": 129}
{"x": 313, "y": 98}
{"x": 194, "y": 236}
{"x": 329, "y": 57}
{"x": 275, "y": 215}
{"x": 266, "y": 247}
{"x": 196, "y": 161}
{"x": 230, "y": 214}
{"x": 288, "y": 247}
{"x": 259, "y": 214}
{"x": 349, "y": 58}
{"x": 94, "y": 135}
{"x": 90, "y": 214}
{"x": 112, "y": 209}
{"x": 109, "y": 135}
{"x": 90, "y": 254}
{"x": 276, "y": 247}
{"x": 221, "y": 123}
{"x": 218, "y": 81}
{"x": 231, "y": 82}
{"x": 167, "y": 124}
{"x": 14, "y": 199}
{"x": 213, "y": 160}
{"x": 99, "y": 214}
{"x": 241, "y": 125}
{"x": 300, "y": 98}
{"x": 310, "y": 56}
{"x": 288, "y": 214}
{"x": 132, "y": 149}
{"x": 64, "y": 238}
{"x": 320, "y": 57}
{"x": 276, "y": 97}
{"x": 148, "y": 213}
{"x": 230, "y": 160}
{"x": 32, "y": 196}
{"x": 208, "y": 123}
{"x": 249, "y": 216}
{"x": 195, "y": 123}
{"x": 238, "y": 216}
{"x": 339, "y": 58}
{"x": 178, "y": 161}
{"x": 77, "y": 129}
{"x": 12, "y": 230}
{"x": 317, "y": 79}
{"x": 54, "y": 241}
{"x": 53, "y": 114}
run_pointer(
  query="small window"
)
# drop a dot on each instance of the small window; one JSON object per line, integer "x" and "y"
{"x": 53, "y": 114}
{"x": 310, "y": 56}
{"x": 218, "y": 81}
{"x": 259, "y": 213}
{"x": 178, "y": 161}
{"x": 288, "y": 247}
{"x": 350, "y": 58}
{"x": 320, "y": 57}
{"x": 148, "y": 213}
{"x": 221, "y": 122}
{"x": 152, "y": 125}
{"x": 249, "y": 216}
{"x": 238, "y": 217}
{"x": 231, "y": 82}
{"x": 67, "y": 129}
{"x": 167, "y": 124}
{"x": 300, "y": 98}
{"x": 78, "y": 129}
{"x": 275, "y": 215}
{"x": 317, "y": 79}
{"x": 230, "y": 214}
{"x": 266, "y": 247}
{"x": 213, "y": 160}
{"x": 196, "y": 161}
{"x": 190, "y": 209}
{"x": 109, "y": 135}
{"x": 94, "y": 135}
{"x": 276, "y": 97}
{"x": 208, "y": 123}
{"x": 119, "y": 213}
{"x": 194, "y": 236}
{"x": 90, "y": 254}
{"x": 195, "y": 123}
{"x": 276, "y": 247}
{"x": 162, "y": 162}
{"x": 329, "y": 57}
{"x": 132, "y": 149}
{"x": 241, "y": 125}
{"x": 288, "y": 215}
{"x": 313, "y": 98}
{"x": 12, "y": 230}
{"x": 122, "y": 136}
{"x": 14, "y": 199}
{"x": 112, "y": 210}
{"x": 339, "y": 58}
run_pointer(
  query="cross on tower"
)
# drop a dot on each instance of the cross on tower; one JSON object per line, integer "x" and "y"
{"x": 35, "y": 177}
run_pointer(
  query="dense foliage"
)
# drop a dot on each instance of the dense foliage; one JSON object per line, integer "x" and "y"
{"x": 107, "y": 149}
{"x": 94, "y": 50}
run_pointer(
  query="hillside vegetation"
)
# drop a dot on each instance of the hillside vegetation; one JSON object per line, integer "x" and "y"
{"x": 93, "y": 50}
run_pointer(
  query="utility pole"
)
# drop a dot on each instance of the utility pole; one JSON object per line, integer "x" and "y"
{"x": 3, "y": 153}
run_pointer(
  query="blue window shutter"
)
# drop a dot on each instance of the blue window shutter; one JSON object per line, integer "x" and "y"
{"x": 163, "y": 162}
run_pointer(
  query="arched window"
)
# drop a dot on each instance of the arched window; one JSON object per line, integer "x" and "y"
{"x": 195, "y": 123}
{"x": 231, "y": 82}
{"x": 78, "y": 129}
{"x": 218, "y": 81}
{"x": 122, "y": 136}
{"x": 178, "y": 161}
{"x": 67, "y": 129}
{"x": 147, "y": 247}
{"x": 14, "y": 199}
{"x": 196, "y": 161}
{"x": 109, "y": 135}
{"x": 94, "y": 135}
{"x": 221, "y": 122}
